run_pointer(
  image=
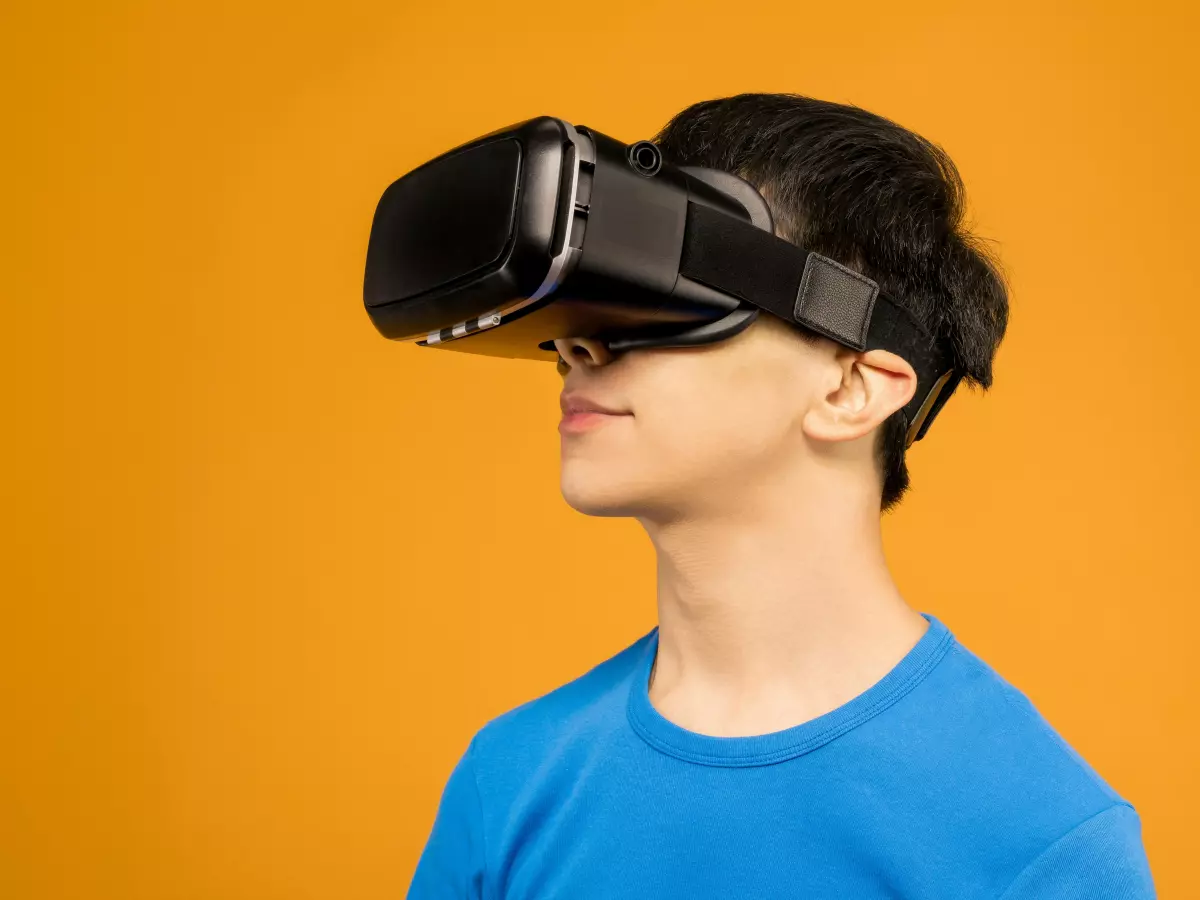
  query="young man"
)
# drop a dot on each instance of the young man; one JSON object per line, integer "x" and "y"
{"x": 792, "y": 727}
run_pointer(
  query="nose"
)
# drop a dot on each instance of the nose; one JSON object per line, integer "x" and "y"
{"x": 581, "y": 352}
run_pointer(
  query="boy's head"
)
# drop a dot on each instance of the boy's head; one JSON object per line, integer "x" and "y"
{"x": 777, "y": 405}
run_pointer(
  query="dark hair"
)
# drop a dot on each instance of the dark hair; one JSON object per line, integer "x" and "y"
{"x": 860, "y": 189}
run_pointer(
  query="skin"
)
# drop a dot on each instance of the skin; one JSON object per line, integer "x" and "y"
{"x": 750, "y": 465}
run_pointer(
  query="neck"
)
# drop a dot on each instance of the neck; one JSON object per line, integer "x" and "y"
{"x": 776, "y": 608}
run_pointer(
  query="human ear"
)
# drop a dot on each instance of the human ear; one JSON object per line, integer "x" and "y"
{"x": 873, "y": 385}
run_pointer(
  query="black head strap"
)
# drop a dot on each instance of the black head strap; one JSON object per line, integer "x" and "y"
{"x": 820, "y": 294}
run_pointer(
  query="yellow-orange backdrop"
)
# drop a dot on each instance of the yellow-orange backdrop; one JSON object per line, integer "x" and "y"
{"x": 265, "y": 572}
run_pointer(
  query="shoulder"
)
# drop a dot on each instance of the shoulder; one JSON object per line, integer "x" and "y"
{"x": 583, "y": 709}
{"x": 1016, "y": 738}
{"x": 1034, "y": 803}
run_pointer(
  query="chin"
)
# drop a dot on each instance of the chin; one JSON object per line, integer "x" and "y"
{"x": 601, "y": 493}
{"x": 593, "y": 502}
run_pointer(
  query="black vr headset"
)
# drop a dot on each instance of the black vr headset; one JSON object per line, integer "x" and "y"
{"x": 545, "y": 230}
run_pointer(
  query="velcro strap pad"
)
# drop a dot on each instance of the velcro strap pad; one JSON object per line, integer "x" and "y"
{"x": 835, "y": 301}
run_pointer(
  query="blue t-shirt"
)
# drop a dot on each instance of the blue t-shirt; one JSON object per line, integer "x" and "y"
{"x": 940, "y": 781}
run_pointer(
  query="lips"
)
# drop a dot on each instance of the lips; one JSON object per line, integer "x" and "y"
{"x": 582, "y": 414}
{"x": 578, "y": 403}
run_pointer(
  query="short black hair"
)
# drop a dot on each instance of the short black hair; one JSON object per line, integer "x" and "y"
{"x": 858, "y": 188}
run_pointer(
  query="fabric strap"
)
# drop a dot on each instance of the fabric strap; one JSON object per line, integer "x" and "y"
{"x": 816, "y": 292}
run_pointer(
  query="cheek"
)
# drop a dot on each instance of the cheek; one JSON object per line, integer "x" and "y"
{"x": 717, "y": 422}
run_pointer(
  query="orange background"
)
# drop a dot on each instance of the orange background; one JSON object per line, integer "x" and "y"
{"x": 264, "y": 572}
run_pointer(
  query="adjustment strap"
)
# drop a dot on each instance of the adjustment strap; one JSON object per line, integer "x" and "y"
{"x": 744, "y": 261}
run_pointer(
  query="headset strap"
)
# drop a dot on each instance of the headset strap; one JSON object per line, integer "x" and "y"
{"x": 818, "y": 293}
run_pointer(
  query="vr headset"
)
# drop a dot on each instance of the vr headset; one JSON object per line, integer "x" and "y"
{"x": 545, "y": 230}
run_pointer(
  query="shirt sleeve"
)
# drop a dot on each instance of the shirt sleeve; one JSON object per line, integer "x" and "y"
{"x": 1100, "y": 859}
{"x": 451, "y": 866}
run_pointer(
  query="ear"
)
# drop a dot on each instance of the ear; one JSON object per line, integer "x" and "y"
{"x": 873, "y": 385}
